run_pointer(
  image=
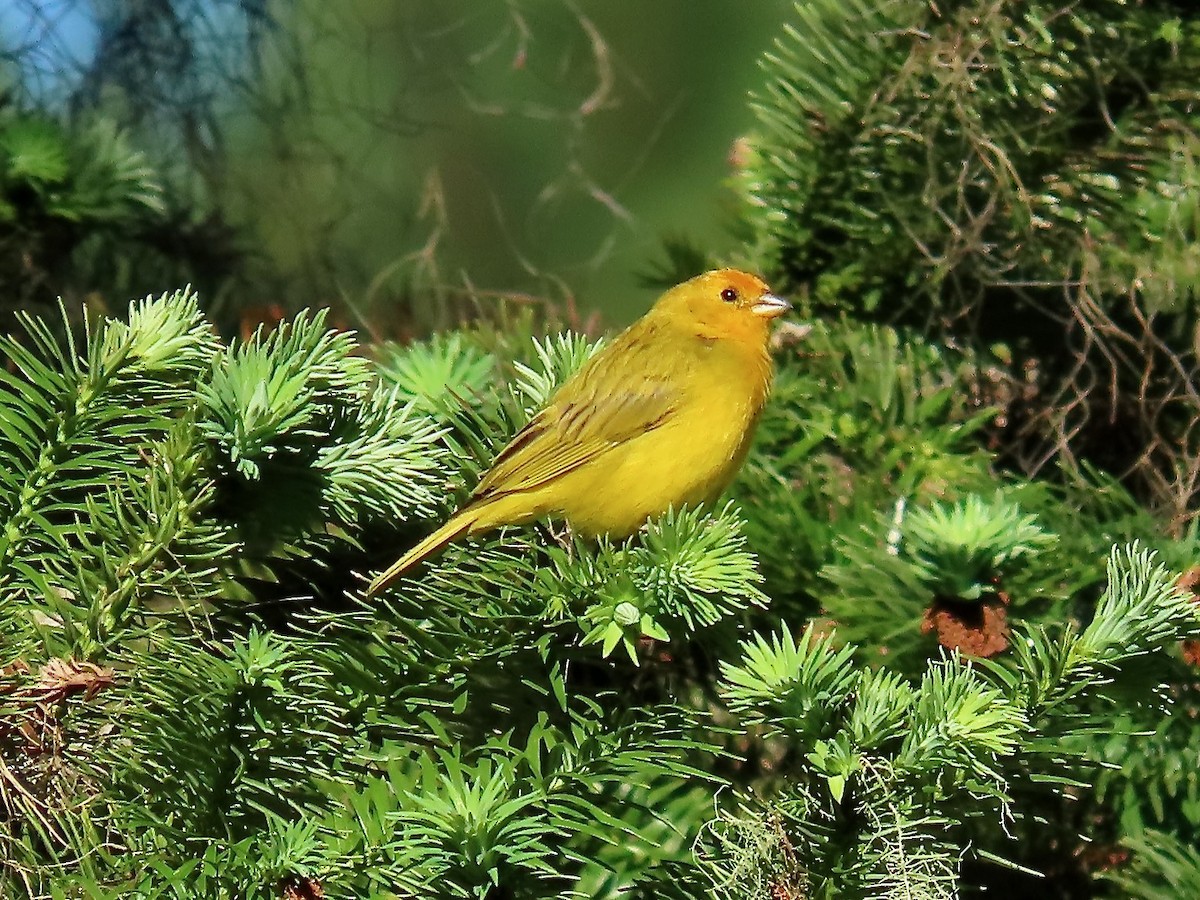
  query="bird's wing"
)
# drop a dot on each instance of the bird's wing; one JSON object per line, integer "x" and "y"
{"x": 587, "y": 418}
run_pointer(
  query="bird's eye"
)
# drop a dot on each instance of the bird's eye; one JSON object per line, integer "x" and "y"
{"x": 729, "y": 295}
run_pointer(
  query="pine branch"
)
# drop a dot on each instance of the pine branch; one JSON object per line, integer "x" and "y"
{"x": 280, "y": 390}
{"x": 944, "y": 752}
{"x": 80, "y": 430}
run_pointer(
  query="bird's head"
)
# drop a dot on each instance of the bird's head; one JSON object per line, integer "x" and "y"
{"x": 724, "y": 303}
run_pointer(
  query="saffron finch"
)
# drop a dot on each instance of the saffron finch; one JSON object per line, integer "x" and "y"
{"x": 661, "y": 417}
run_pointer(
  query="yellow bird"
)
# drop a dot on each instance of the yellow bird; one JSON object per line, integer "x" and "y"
{"x": 661, "y": 417}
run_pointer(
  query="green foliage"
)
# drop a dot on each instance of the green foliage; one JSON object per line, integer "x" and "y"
{"x": 85, "y": 214}
{"x": 797, "y": 685}
{"x": 901, "y": 177}
{"x": 897, "y": 769}
{"x": 65, "y": 415}
{"x": 297, "y": 421}
{"x": 885, "y": 575}
{"x": 1004, "y": 173}
{"x": 924, "y": 516}
{"x": 1158, "y": 782}
{"x": 962, "y": 550}
{"x": 447, "y": 367}
{"x": 1162, "y": 866}
{"x": 530, "y": 716}
{"x": 94, "y": 177}
{"x": 555, "y": 360}
{"x": 687, "y": 572}
{"x": 273, "y": 388}
{"x": 859, "y": 416}
{"x": 61, "y": 189}
{"x": 161, "y": 490}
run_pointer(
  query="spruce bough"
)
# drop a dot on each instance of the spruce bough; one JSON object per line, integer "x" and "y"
{"x": 197, "y": 702}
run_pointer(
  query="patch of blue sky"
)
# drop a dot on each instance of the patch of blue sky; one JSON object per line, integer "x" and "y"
{"x": 53, "y": 41}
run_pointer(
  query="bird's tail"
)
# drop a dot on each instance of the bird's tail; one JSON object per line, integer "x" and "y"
{"x": 452, "y": 530}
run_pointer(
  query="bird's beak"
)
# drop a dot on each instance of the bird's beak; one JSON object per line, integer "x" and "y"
{"x": 769, "y": 306}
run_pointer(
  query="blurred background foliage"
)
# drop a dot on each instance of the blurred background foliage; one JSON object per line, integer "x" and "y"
{"x": 400, "y": 161}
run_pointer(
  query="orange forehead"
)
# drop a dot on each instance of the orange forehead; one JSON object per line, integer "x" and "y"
{"x": 724, "y": 293}
{"x": 744, "y": 282}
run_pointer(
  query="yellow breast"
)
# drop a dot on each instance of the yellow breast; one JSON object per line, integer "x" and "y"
{"x": 690, "y": 459}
